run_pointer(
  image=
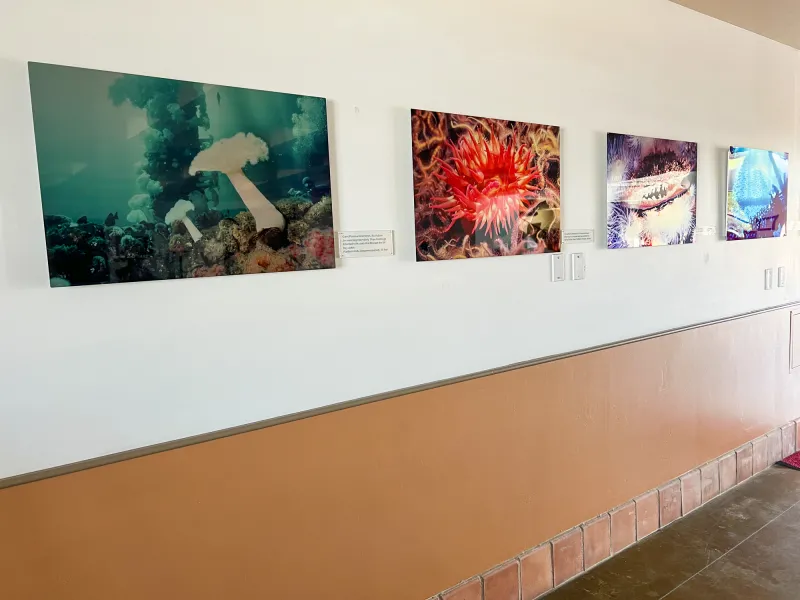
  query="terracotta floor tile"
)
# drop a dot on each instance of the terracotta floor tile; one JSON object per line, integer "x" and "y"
{"x": 502, "y": 583}
{"x": 623, "y": 527}
{"x": 469, "y": 590}
{"x": 744, "y": 463}
{"x": 788, "y": 440}
{"x": 727, "y": 472}
{"x": 670, "y": 502}
{"x": 710, "y": 475}
{"x": 796, "y": 432}
{"x": 742, "y": 546}
{"x": 691, "y": 491}
{"x": 567, "y": 556}
{"x": 774, "y": 446}
{"x": 760, "y": 455}
{"x": 536, "y": 571}
{"x": 646, "y": 514}
{"x": 596, "y": 541}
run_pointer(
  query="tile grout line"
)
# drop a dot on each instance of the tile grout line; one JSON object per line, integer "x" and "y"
{"x": 729, "y": 551}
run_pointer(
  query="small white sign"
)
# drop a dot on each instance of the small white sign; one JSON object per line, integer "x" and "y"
{"x": 577, "y": 236}
{"x": 363, "y": 244}
{"x": 709, "y": 230}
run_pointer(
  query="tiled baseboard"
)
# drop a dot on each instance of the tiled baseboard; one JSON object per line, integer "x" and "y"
{"x": 539, "y": 570}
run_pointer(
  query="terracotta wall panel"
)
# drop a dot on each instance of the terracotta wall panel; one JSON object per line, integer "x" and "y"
{"x": 402, "y": 498}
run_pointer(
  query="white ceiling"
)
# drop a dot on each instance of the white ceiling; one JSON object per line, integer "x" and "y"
{"x": 776, "y": 19}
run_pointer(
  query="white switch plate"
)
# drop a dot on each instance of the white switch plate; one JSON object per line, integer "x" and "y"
{"x": 557, "y": 268}
{"x": 768, "y": 279}
{"x": 781, "y": 276}
{"x": 578, "y": 266}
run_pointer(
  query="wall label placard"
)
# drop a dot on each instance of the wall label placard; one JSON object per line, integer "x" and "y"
{"x": 707, "y": 230}
{"x": 577, "y": 236}
{"x": 364, "y": 244}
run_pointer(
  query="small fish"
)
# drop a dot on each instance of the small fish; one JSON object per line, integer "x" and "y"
{"x": 219, "y": 99}
{"x": 83, "y": 221}
{"x": 315, "y": 192}
{"x": 111, "y": 219}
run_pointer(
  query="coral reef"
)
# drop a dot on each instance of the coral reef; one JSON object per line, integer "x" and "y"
{"x": 89, "y": 253}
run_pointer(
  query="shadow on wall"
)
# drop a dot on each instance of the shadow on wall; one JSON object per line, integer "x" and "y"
{"x": 21, "y": 221}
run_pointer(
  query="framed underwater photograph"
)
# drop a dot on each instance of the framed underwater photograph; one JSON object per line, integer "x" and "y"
{"x": 484, "y": 187}
{"x": 651, "y": 191}
{"x": 145, "y": 178}
{"x": 758, "y": 189}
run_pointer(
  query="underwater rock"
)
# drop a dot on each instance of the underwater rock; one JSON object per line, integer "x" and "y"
{"x": 64, "y": 253}
{"x": 273, "y": 237}
{"x": 60, "y": 235}
{"x": 226, "y": 235}
{"x": 59, "y": 282}
{"x": 213, "y": 250}
{"x": 114, "y": 234}
{"x": 74, "y": 264}
{"x": 244, "y": 231}
{"x": 192, "y": 260}
{"x": 180, "y": 243}
{"x": 83, "y": 220}
{"x": 265, "y": 261}
{"x": 98, "y": 244}
{"x": 130, "y": 247}
{"x": 56, "y": 220}
{"x": 321, "y": 214}
{"x": 297, "y": 230}
{"x": 246, "y": 222}
{"x": 212, "y": 271}
{"x": 293, "y": 209}
{"x": 99, "y": 267}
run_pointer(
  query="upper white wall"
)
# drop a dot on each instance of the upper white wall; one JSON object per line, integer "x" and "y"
{"x": 90, "y": 371}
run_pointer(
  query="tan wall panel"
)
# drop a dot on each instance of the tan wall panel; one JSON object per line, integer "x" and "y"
{"x": 402, "y": 498}
{"x": 775, "y": 19}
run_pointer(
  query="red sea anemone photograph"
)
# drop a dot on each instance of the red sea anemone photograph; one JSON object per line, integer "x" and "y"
{"x": 484, "y": 187}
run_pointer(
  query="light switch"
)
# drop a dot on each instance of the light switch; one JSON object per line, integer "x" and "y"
{"x": 557, "y": 268}
{"x": 768, "y": 279}
{"x": 578, "y": 266}
{"x": 781, "y": 276}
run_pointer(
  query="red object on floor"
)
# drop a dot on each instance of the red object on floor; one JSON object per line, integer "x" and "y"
{"x": 792, "y": 461}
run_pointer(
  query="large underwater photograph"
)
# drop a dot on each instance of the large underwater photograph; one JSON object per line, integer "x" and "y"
{"x": 652, "y": 191}
{"x": 144, "y": 178}
{"x": 758, "y": 188}
{"x": 484, "y": 187}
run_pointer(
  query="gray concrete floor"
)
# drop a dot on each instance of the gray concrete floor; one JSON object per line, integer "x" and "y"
{"x": 743, "y": 545}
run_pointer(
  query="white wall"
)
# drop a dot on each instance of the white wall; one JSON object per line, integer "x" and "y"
{"x": 90, "y": 371}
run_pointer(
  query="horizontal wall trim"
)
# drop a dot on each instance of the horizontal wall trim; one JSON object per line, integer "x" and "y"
{"x": 108, "y": 459}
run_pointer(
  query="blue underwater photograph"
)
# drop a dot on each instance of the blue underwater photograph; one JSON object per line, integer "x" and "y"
{"x": 144, "y": 178}
{"x": 758, "y": 187}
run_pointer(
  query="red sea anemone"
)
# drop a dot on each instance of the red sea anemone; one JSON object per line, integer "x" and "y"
{"x": 488, "y": 181}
